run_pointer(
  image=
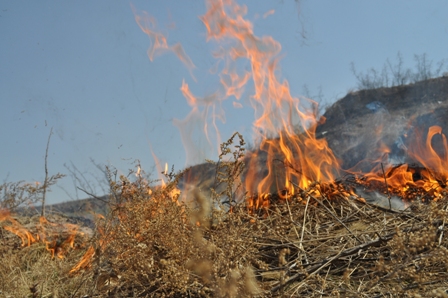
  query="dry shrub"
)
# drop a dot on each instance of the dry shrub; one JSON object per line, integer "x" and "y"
{"x": 32, "y": 272}
{"x": 328, "y": 246}
{"x": 157, "y": 246}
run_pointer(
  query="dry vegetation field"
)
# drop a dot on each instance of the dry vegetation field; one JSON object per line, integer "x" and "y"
{"x": 140, "y": 240}
{"x": 324, "y": 241}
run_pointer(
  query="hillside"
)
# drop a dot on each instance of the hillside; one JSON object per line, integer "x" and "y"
{"x": 355, "y": 127}
{"x": 362, "y": 122}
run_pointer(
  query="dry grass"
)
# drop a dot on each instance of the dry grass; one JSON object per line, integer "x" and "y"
{"x": 323, "y": 242}
{"x": 156, "y": 247}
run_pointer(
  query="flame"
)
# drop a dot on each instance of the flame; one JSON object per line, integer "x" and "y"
{"x": 85, "y": 260}
{"x": 268, "y": 13}
{"x": 288, "y": 155}
{"x": 58, "y": 238}
{"x": 16, "y": 228}
{"x": 432, "y": 174}
{"x": 159, "y": 42}
{"x": 203, "y": 117}
{"x": 302, "y": 157}
{"x": 160, "y": 195}
{"x": 295, "y": 155}
{"x": 428, "y": 156}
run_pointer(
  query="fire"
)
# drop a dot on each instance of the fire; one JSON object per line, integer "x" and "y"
{"x": 432, "y": 173}
{"x": 16, "y": 228}
{"x": 289, "y": 155}
{"x": 295, "y": 156}
{"x": 58, "y": 238}
{"x": 159, "y": 44}
{"x": 430, "y": 158}
{"x": 85, "y": 260}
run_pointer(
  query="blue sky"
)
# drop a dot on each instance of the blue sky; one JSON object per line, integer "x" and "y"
{"x": 82, "y": 68}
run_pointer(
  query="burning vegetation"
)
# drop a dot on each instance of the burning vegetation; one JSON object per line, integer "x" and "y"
{"x": 324, "y": 240}
{"x": 310, "y": 211}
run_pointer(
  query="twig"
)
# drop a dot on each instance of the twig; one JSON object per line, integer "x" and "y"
{"x": 95, "y": 197}
{"x": 319, "y": 269}
{"x": 46, "y": 174}
{"x": 291, "y": 219}
{"x": 303, "y": 228}
{"x": 329, "y": 211}
{"x": 387, "y": 187}
{"x": 344, "y": 253}
{"x": 441, "y": 228}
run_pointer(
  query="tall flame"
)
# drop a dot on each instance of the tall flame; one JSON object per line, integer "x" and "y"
{"x": 303, "y": 158}
{"x": 289, "y": 154}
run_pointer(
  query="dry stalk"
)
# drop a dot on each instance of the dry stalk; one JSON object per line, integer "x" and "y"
{"x": 46, "y": 174}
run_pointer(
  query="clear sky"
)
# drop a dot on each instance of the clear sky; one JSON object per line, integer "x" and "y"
{"x": 81, "y": 67}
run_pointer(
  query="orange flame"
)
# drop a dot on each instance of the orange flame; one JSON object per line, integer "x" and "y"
{"x": 16, "y": 228}
{"x": 289, "y": 153}
{"x": 303, "y": 157}
{"x": 429, "y": 157}
{"x": 159, "y": 42}
{"x": 431, "y": 177}
{"x": 58, "y": 238}
{"x": 85, "y": 260}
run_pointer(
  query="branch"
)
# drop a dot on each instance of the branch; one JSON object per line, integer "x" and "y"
{"x": 46, "y": 174}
